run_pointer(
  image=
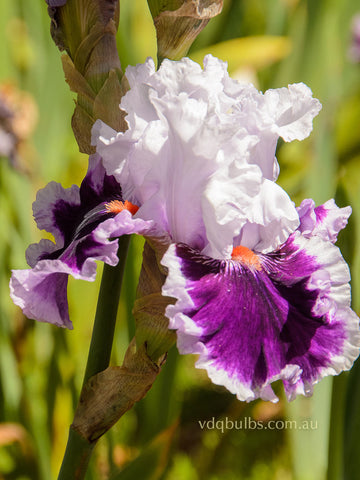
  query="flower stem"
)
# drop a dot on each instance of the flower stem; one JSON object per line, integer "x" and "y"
{"x": 106, "y": 311}
{"x": 79, "y": 449}
{"x": 76, "y": 459}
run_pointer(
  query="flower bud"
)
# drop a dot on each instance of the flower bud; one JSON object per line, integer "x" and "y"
{"x": 179, "y": 22}
{"x": 86, "y": 30}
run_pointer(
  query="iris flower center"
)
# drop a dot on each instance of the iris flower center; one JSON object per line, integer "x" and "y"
{"x": 117, "y": 206}
{"x": 246, "y": 256}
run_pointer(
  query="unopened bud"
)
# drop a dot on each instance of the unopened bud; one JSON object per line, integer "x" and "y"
{"x": 86, "y": 30}
{"x": 179, "y": 22}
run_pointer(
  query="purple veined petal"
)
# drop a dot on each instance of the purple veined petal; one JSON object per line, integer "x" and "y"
{"x": 86, "y": 221}
{"x": 325, "y": 221}
{"x": 60, "y": 211}
{"x": 282, "y": 315}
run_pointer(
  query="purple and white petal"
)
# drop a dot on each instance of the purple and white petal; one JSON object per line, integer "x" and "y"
{"x": 60, "y": 210}
{"x": 41, "y": 292}
{"x": 124, "y": 224}
{"x": 84, "y": 220}
{"x": 284, "y": 315}
{"x": 325, "y": 221}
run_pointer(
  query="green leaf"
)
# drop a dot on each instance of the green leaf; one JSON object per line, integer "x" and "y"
{"x": 350, "y": 188}
{"x": 352, "y": 426}
{"x": 305, "y": 441}
{"x": 256, "y": 52}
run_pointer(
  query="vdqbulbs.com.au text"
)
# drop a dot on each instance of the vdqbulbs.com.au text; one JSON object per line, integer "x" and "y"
{"x": 248, "y": 423}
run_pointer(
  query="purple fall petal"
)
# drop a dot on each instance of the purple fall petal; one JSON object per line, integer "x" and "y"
{"x": 41, "y": 292}
{"x": 82, "y": 224}
{"x": 287, "y": 318}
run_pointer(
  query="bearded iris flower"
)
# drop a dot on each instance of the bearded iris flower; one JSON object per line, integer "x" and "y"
{"x": 261, "y": 291}
{"x": 258, "y": 317}
{"x": 82, "y": 220}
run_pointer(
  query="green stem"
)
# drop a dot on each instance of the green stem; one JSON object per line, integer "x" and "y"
{"x": 336, "y": 435}
{"x": 106, "y": 311}
{"x": 79, "y": 449}
{"x": 76, "y": 459}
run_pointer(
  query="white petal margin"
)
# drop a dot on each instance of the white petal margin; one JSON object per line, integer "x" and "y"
{"x": 175, "y": 286}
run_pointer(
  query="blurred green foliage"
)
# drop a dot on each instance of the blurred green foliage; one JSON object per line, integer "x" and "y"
{"x": 41, "y": 366}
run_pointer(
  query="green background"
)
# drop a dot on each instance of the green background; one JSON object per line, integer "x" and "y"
{"x": 41, "y": 367}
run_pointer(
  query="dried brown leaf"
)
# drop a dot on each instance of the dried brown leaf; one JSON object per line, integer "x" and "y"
{"x": 112, "y": 392}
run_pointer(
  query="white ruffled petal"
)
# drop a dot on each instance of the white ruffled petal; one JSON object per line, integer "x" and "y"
{"x": 292, "y": 111}
{"x": 199, "y": 153}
